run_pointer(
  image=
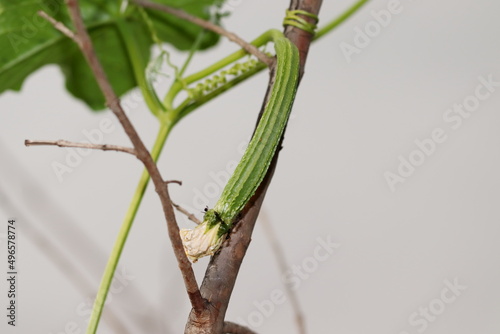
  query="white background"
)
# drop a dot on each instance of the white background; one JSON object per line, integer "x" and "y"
{"x": 352, "y": 122}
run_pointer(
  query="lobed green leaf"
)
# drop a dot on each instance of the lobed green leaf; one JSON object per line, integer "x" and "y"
{"x": 28, "y": 42}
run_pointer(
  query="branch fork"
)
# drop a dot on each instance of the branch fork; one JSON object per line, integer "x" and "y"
{"x": 82, "y": 39}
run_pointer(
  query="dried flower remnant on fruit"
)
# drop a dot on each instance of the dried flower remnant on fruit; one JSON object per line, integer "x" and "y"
{"x": 203, "y": 240}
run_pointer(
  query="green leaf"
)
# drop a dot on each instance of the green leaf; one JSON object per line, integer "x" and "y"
{"x": 174, "y": 30}
{"x": 28, "y": 42}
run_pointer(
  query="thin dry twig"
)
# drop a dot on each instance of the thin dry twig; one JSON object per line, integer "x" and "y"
{"x": 179, "y": 208}
{"x": 279, "y": 254}
{"x": 173, "y": 181}
{"x": 83, "y": 40}
{"x": 65, "y": 143}
{"x": 188, "y": 214}
{"x": 223, "y": 269}
{"x": 58, "y": 25}
{"x": 232, "y": 328}
{"x": 209, "y": 26}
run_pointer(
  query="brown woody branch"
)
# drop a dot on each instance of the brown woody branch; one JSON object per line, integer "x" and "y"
{"x": 113, "y": 102}
{"x": 65, "y": 143}
{"x": 222, "y": 271}
{"x": 301, "y": 38}
{"x": 209, "y": 26}
{"x": 83, "y": 40}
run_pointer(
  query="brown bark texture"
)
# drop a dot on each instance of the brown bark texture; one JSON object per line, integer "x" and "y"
{"x": 222, "y": 271}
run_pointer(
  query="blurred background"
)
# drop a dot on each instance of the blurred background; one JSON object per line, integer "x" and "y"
{"x": 385, "y": 198}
